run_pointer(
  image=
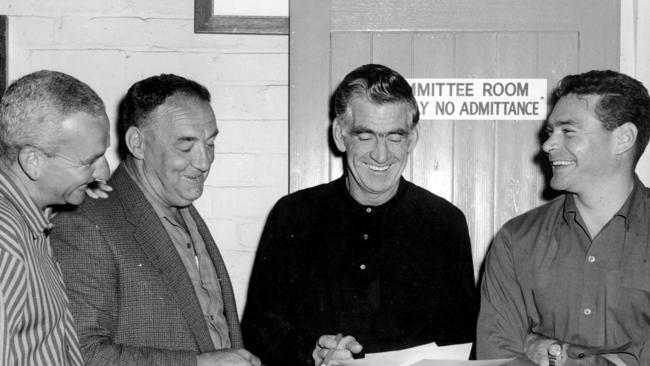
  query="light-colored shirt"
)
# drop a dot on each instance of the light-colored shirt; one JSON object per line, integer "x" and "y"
{"x": 197, "y": 262}
{"x": 191, "y": 249}
{"x": 36, "y": 326}
{"x": 545, "y": 274}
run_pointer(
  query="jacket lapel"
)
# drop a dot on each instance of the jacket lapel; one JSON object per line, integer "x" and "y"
{"x": 230, "y": 307}
{"x": 156, "y": 243}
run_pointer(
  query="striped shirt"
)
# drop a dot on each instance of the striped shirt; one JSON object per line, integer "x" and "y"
{"x": 36, "y": 326}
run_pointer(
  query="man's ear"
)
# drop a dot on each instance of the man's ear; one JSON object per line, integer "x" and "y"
{"x": 31, "y": 161}
{"x": 135, "y": 142}
{"x": 414, "y": 135}
{"x": 337, "y": 134}
{"x": 625, "y": 137}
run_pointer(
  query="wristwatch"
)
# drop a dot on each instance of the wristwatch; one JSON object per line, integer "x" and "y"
{"x": 554, "y": 353}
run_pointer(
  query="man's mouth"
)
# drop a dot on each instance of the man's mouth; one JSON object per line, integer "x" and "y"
{"x": 377, "y": 168}
{"x": 561, "y": 163}
{"x": 194, "y": 178}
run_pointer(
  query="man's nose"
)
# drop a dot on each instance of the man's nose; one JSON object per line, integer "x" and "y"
{"x": 203, "y": 159}
{"x": 550, "y": 143}
{"x": 380, "y": 152}
{"x": 101, "y": 170}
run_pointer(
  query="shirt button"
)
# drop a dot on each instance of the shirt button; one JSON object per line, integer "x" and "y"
{"x": 365, "y": 236}
{"x": 591, "y": 259}
{"x": 587, "y": 311}
{"x": 368, "y": 209}
{"x": 363, "y": 266}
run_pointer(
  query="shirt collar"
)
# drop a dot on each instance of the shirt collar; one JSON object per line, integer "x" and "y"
{"x": 161, "y": 211}
{"x": 36, "y": 219}
{"x": 352, "y": 204}
{"x": 164, "y": 214}
{"x": 569, "y": 207}
{"x": 633, "y": 206}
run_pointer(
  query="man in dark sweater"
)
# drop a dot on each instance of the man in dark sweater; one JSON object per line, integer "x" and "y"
{"x": 370, "y": 255}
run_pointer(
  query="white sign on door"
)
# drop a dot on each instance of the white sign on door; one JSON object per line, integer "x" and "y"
{"x": 481, "y": 99}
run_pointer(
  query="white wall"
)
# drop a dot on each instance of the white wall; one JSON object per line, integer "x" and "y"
{"x": 112, "y": 44}
{"x": 635, "y": 56}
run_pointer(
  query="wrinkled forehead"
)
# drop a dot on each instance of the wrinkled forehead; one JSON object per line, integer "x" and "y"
{"x": 362, "y": 112}
{"x": 183, "y": 112}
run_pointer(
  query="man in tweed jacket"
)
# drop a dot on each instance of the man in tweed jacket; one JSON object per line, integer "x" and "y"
{"x": 146, "y": 282}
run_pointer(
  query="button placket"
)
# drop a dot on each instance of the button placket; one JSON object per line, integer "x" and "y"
{"x": 367, "y": 225}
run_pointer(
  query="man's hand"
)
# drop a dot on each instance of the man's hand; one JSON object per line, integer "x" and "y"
{"x": 228, "y": 357}
{"x": 343, "y": 349}
{"x": 536, "y": 348}
{"x": 98, "y": 189}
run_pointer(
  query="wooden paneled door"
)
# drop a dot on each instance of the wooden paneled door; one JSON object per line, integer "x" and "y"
{"x": 492, "y": 170}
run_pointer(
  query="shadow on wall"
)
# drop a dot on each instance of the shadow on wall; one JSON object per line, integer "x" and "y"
{"x": 542, "y": 162}
{"x": 122, "y": 150}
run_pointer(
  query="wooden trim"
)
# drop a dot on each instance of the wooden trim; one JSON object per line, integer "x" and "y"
{"x": 206, "y": 22}
{"x": 308, "y": 60}
{"x": 3, "y": 53}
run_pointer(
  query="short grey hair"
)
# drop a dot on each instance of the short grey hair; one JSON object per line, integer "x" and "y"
{"x": 33, "y": 107}
{"x": 378, "y": 84}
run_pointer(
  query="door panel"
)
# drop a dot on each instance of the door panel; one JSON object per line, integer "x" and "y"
{"x": 474, "y": 143}
{"x": 517, "y": 188}
{"x": 490, "y": 169}
{"x": 433, "y": 157}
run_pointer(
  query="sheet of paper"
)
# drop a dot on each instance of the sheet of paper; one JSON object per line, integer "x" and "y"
{"x": 425, "y": 355}
{"x": 410, "y": 356}
{"x": 462, "y": 362}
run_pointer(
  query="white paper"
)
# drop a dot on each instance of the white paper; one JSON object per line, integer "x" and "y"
{"x": 425, "y": 355}
{"x": 462, "y": 362}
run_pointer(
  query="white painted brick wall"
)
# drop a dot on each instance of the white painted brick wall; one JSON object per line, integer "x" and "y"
{"x": 112, "y": 44}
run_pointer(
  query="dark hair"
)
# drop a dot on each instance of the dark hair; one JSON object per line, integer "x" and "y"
{"x": 378, "y": 84}
{"x": 623, "y": 99}
{"x": 145, "y": 95}
{"x": 33, "y": 107}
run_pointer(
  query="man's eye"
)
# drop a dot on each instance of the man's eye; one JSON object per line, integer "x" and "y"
{"x": 396, "y": 137}
{"x": 185, "y": 147}
{"x": 364, "y": 136}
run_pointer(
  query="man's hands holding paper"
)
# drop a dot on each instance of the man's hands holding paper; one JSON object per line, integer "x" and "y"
{"x": 332, "y": 347}
{"x": 536, "y": 348}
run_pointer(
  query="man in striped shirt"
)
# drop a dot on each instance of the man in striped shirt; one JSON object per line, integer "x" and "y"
{"x": 53, "y": 135}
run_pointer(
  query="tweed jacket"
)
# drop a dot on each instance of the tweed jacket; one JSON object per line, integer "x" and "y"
{"x": 132, "y": 299}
